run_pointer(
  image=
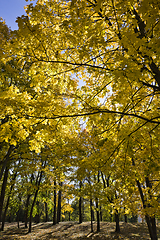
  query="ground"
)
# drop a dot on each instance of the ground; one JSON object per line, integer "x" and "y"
{"x": 75, "y": 231}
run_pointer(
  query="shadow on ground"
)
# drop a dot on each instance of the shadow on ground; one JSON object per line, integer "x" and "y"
{"x": 75, "y": 231}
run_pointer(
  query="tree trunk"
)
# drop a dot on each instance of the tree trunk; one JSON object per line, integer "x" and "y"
{"x": 5, "y": 161}
{"x": 97, "y": 210}
{"x": 98, "y": 217}
{"x": 30, "y": 218}
{"x": 100, "y": 213}
{"x": 80, "y": 206}
{"x": 3, "y": 190}
{"x": 27, "y": 204}
{"x": 125, "y": 218}
{"x": 26, "y": 210}
{"x": 18, "y": 217}
{"x": 117, "y": 222}
{"x": 80, "y": 210}
{"x": 69, "y": 214}
{"x": 4, "y": 214}
{"x": 7, "y": 204}
{"x": 92, "y": 213}
{"x": 18, "y": 212}
{"x": 54, "y": 213}
{"x": 34, "y": 200}
{"x": 150, "y": 221}
{"x": 59, "y": 204}
{"x": 110, "y": 217}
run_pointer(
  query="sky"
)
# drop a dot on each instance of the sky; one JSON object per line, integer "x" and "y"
{"x": 10, "y": 10}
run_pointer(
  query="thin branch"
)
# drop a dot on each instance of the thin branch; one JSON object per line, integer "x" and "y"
{"x": 93, "y": 112}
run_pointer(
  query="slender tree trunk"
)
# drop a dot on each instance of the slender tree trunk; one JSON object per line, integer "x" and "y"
{"x": 117, "y": 222}
{"x": 18, "y": 218}
{"x": 106, "y": 184}
{"x": 80, "y": 210}
{"x": 18, "y": 212}
{"x": 34, "y": 200}
{"x": 7, "y": 204}
{"x": 100, "y": 213}
{"x": 3, "y": 190}
{"x": 125, "y": 218}
{"x": 33, "y": 203}
{"x": 92, "y": 213}
{"x": 27, "y": 203}
{"x": 80, "y": 206}
{"x": 5, "y": 161}
{"x": 153, "y": 223}
{"x": 111, "y": 218}
{"x": 69, "y": 214}
{"x": 26, "y": 210}
{"x": 59, "y": 204}
{"x": 19, "y": 208}
{"x": 149, "y": 220}
{"x": 54, "y": 213}
{"x": 97, "y": 210}
{"x": 98, "y": 217}
{"x": 4, "y": 214}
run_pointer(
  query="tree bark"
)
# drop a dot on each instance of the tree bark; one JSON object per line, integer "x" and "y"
{"x": 54, "y": 213}
{"x": 3, "y": 190}
{"x": 151, "y": 223}
{"x": 117, "y": 222}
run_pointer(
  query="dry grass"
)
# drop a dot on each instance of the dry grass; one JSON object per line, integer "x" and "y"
{"x": 75, "y": 231}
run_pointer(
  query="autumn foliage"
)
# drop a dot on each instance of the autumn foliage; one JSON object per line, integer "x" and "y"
{"x": 79, "y": 104}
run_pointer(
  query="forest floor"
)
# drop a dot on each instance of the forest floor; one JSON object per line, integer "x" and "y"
{"x": 75, "y": 231}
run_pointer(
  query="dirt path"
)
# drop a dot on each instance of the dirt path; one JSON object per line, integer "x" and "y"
{"x": 75, "y": 231}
